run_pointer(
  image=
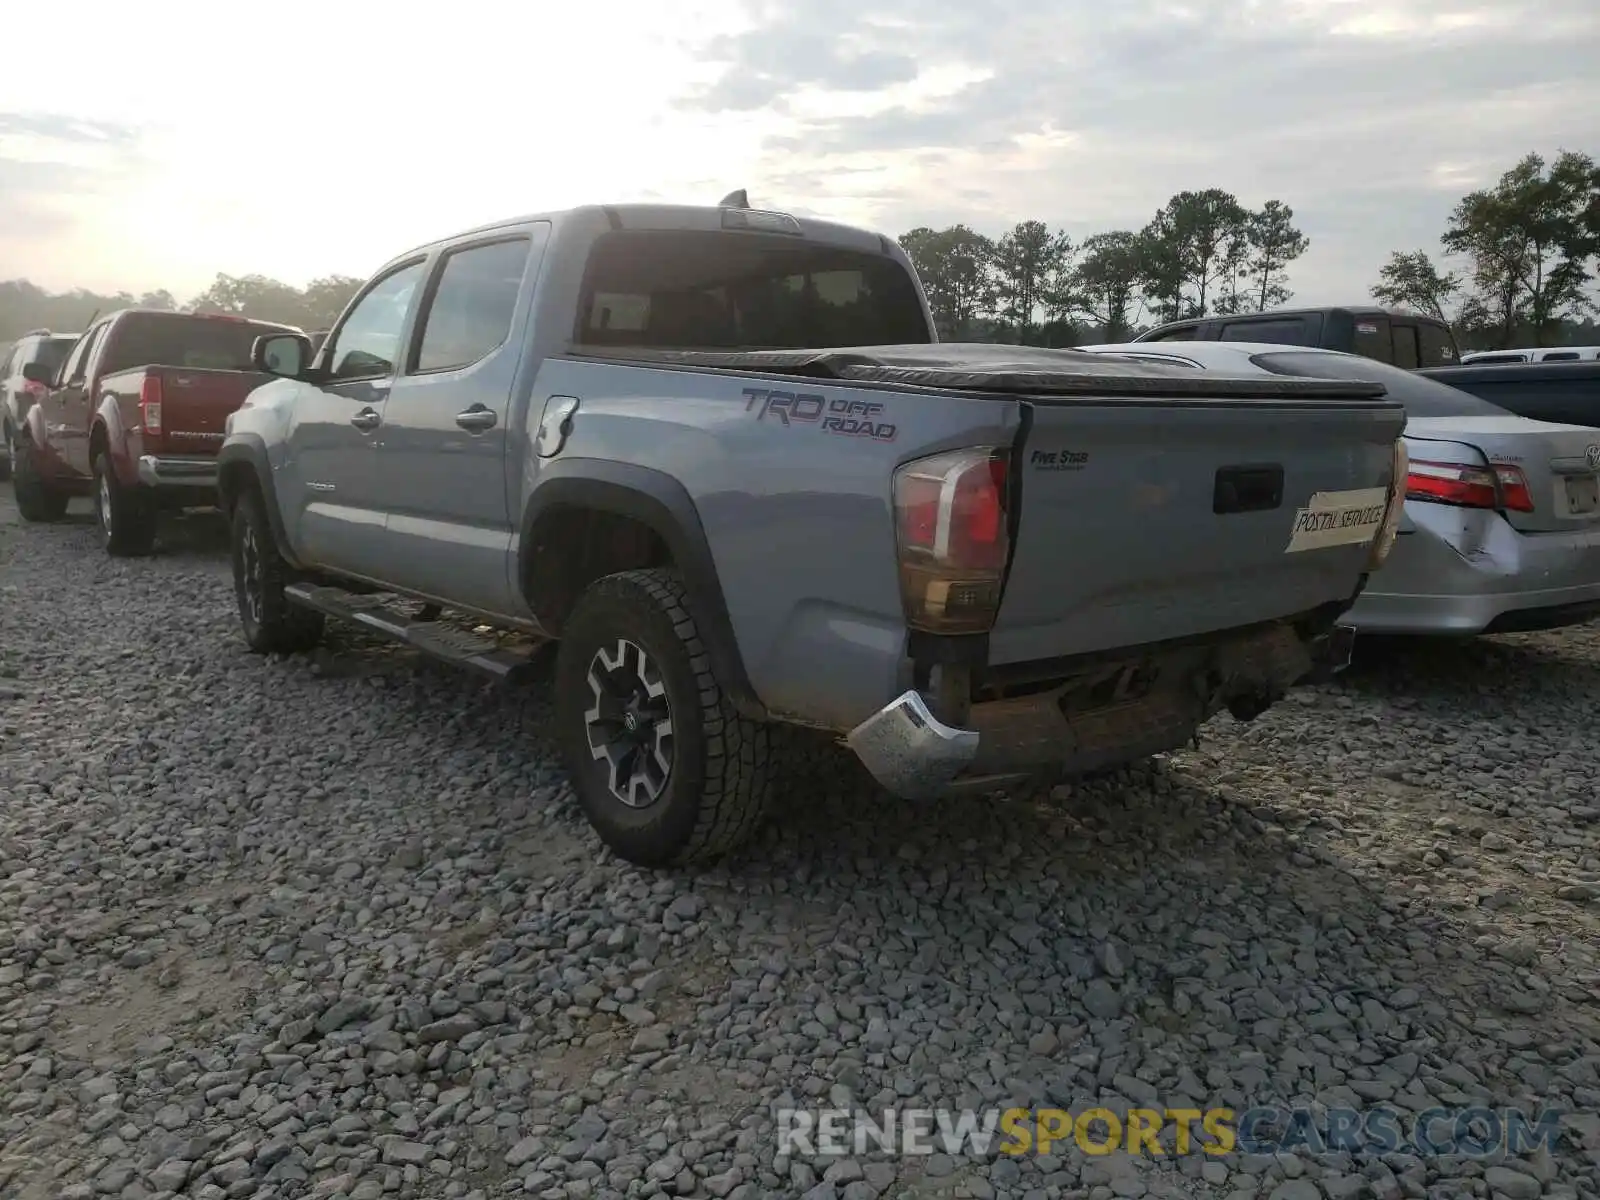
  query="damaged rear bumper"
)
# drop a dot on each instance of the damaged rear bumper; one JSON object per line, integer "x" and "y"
{"x": 910, "y": 751}
{"x": 915, "y": 755}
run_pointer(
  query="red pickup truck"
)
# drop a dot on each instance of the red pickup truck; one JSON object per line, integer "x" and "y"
{"x": 134, "y": 417}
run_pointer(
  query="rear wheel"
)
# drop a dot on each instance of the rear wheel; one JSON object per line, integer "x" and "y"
{"x": 665, "y": 768}
{"x": 36, "y": 499}
{"x": 125, "y": 516}
{"x": 271, "y": 624}
{"x": 8, "y": 444}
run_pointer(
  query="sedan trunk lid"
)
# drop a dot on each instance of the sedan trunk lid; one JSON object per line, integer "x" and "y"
{"x": 1561, "y": 464}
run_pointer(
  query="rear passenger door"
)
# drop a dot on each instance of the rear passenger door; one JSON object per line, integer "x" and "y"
{"x": 1407, "y": 346}
{"x": 443, "y": 471}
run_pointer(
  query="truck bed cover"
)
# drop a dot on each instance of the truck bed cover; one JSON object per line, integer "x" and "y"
{"x": 986, "y": 367}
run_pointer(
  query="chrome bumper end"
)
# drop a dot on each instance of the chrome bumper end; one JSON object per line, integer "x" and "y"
{"x": 910, "y": 751}
{"x": 158, "y": 472}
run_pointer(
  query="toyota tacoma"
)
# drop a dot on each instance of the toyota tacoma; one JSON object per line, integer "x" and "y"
{"x": 716, "y": 460}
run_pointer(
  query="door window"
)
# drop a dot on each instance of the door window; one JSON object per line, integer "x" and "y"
{"x": 367, "y": 344}
{"x": 1373, "y": 339}
{"x": 1183, "y": 333}
{"x": 1407, "y": 353}
{"x": 1290, "y": 331}
{"x": 469, "y": 314}
{"x": 78, "y": 360}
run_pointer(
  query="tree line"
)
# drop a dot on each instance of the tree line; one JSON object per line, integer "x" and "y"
{"x": 1526, "y": 247}
{"x": 1202, "y": 253}
{"x": 25, "y": 306}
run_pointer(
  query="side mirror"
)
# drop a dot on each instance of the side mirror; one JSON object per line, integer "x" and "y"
{"x": 284, "y": 354}
{"x": 37, "y": 372}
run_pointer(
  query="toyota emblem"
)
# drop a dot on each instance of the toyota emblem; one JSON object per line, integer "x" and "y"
{"x": 1593, "y": 455}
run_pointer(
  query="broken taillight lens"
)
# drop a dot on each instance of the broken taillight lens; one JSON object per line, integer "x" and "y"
{"x": 953, "y": 539}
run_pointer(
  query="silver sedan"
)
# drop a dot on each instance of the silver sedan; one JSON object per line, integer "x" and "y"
{"x": 1501, "y": 530}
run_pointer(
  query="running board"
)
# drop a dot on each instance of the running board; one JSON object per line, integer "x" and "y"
{"x": 424, "y": 633}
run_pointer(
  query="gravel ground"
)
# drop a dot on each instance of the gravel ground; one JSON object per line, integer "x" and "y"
{"x": 333, "y": 927}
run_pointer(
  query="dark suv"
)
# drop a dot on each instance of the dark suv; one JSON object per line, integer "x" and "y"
{"x": 18, "y": 394}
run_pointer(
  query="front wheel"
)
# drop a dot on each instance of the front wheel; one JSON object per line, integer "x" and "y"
{"x": 271, "y": 624}
{"x": 666, "y": 770}
{"x": 125, "y": 516}
{"x": 36, "y": 499}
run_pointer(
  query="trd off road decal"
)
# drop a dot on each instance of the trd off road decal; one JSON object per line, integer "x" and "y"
{"x": 846, "y": 418}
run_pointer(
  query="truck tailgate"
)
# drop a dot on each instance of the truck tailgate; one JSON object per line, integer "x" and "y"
{"x": 195, "y": 404}
{"x": 1146, "y": 521}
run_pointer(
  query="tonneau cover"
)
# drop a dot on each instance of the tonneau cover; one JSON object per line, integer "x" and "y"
{"x": 985, "y": 367}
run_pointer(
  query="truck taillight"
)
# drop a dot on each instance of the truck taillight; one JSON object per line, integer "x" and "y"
{"x": 952, "y": 539}
{"x": 1390, "y": 528}
{"x": 150, "y": 404}
{"x": 1466, "y": 485}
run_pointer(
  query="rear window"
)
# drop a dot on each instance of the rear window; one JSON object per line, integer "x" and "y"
{"x": 1421, "y": 396}
{"x": 1284, "y": 333}
{"x": 693, "y": 290}
{"x": 1183, "y": 333}
{"x": 52, "y": 352}
{"x": 1489, "y": 360}
{"x": 178, "y": 340}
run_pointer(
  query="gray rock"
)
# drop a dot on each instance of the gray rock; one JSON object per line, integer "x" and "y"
{"x": 399, "y": 1151}
{"x": 1102, "y": 1001}
{"x": 1514, "y": 1185}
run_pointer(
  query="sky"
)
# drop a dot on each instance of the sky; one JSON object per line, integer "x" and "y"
{"x": 176, "y": 140}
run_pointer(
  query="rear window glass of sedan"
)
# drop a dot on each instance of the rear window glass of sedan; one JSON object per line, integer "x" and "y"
{"x": 51, "y": 352}
{"x": 1422, "y": 397}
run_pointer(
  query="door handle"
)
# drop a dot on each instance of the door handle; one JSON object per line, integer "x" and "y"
{"x": 366, "y": 420}
{"x": 477, "y": 418}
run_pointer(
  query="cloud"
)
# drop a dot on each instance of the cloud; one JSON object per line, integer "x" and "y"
{"x": 50, "y": 166}
{"x": 1369, "y": 118}
{"x": 46, "y": 126}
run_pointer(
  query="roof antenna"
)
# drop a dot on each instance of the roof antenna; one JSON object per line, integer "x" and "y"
{"x": 739, "y": 199}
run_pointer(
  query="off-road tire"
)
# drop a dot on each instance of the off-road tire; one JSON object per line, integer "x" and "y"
{"x": 716, "y": 791}
{"x": 274, "y": 626}
{"x": 36, "y": 500}
{"x": 125, "y": 516}
{"x": 7, "y": 442}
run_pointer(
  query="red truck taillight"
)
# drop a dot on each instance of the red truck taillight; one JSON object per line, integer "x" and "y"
{"x": 150, "y": 404}
{"x": 952, "y": 537}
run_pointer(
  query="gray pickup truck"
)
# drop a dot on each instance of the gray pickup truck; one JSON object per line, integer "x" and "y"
{"x": 715, "y": 457}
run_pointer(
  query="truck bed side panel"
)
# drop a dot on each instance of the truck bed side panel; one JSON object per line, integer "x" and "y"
{"x": 797, "y": 516}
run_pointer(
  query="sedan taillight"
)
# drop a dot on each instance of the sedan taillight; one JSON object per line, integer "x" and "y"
{"x": 1468, "y": 485}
